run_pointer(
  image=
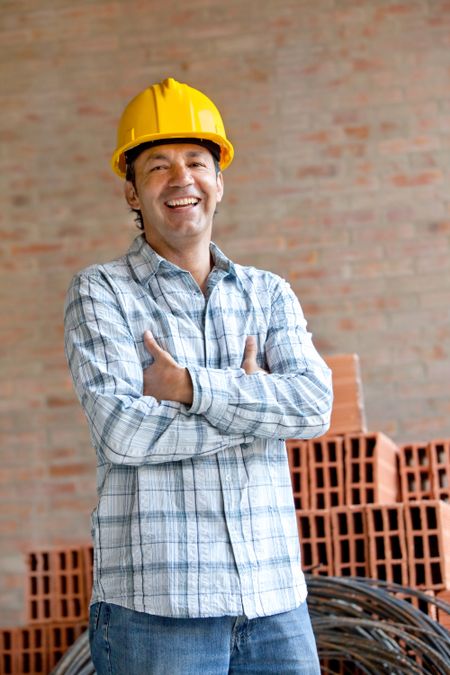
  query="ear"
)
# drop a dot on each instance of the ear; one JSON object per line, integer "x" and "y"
{"x": 131, "y": 195}
{"x": 219, "y": 184}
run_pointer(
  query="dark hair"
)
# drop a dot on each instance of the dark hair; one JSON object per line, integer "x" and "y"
{"x": 133, "y": 154}
{"x": 131, "y": 176}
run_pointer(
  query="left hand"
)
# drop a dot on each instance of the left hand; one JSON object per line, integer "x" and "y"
{"x": 249, "y": 363}
{"x": 164, "y": 379}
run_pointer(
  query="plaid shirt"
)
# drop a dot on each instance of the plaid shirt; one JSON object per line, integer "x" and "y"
{"x": 195, "y": 515}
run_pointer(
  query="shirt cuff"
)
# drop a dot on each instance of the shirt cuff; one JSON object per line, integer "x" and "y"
{"x": 210, "y": 392}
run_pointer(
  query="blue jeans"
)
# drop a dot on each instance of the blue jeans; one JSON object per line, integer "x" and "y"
{"x": 124, "y": 642}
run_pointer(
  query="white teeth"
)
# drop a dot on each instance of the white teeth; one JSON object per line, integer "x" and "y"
{"x": 185, "y": 201}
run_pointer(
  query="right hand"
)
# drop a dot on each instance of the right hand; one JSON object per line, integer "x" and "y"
{"x": 164, "y": 379}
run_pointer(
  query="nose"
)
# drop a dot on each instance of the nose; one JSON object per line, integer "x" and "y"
{"x": 180, "y": 175}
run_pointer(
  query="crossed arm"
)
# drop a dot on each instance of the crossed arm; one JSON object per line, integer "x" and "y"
{"x": 169, "y": 413}
{"x": 165, "y": 380}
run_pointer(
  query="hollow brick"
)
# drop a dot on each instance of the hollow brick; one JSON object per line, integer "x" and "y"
{"x": 56, "y": 585}
{"x": 428, "y": 541}
{"x": 348, "y": 413}
{"x": 326, "y": 472}
{"x": 39, "y": 591}
{"x": 8, "y": 651}
{"x": 297, "y": 452}
{"x": 387, "y": 543}
{"x": 371, "y": 473}
{"x": 314, "y": 528}
{"x": 350, "y": 547}
{"x": 443, "y": 616}
{"x": 69, "y": 585}
{"x": 60, "y": 637}
{"x": 32, "y": 650}
{"x": 440, "y": 468}
{"x": 415, "y": 472}
{"x": 88, "y": 570}
{"x": 336, "y": 666}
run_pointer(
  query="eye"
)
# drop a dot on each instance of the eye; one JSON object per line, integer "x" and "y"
{"x": 158, "y": 167}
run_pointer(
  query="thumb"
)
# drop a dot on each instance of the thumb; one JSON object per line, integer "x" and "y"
{"x": 250, "y": 350}
{"x": 151, "y": 344}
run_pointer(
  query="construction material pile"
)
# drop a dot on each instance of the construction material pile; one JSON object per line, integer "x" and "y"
{"x": 367, "y": 507}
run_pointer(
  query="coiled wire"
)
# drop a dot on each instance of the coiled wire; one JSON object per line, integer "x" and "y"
{"x": 362, "y": 626}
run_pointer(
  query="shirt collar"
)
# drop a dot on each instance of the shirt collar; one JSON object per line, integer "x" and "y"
{"x": 145, "y": 262}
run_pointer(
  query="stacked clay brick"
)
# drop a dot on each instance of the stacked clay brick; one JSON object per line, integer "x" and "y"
{"x": 353, "y": 521}
{"x": 59, "y": 583}
{"x": 366, "y": 507}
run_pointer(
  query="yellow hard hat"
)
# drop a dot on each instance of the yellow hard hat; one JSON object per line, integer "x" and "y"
{"x": 169, "y": 110}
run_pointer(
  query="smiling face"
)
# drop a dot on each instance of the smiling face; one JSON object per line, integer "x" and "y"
{"x": 176, "y": 189}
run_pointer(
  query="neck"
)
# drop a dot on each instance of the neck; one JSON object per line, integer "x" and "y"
{"x": 195, "y": 259}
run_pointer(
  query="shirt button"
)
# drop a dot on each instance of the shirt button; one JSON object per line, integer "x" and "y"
{"x": 228, "y": 478}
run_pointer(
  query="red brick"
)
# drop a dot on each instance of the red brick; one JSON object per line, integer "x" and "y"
{"x": 31, "y": 650}
{"x": 326, "y": 472}
{"x": 65, "y": 470}
{"x": 348, "y": 413}
{"x": 57, "y": 589}
{"x": 8, "y": 651}
{"x": 314, "y": 528}
{"x": 359, "y": 133}
{"x": 39, "y": 591}
{"x": 387, "y": 543}
{"x": 443, "y": 615}
{"x": 60, "y": 638}
{"x": 425, "y": 178}
{"x": 416, "y": 478}
{"x": 371, "y": 474}
{"x": 298, "y": 463}
{"x": 428, "y": 608}
{"x": 88, "y": 566}
{"x": 428, "y": 541}
{"x": 420, "y": 603}
{"x": 69, "y": 591}
{"x": 348, "y": 407}
{"x": 337, "y": 666}
{"x": 33, "y": 249}
{"x": 24, "y": 651}
{"x": 440, "y": 468}
{"x": 350, "y": 546}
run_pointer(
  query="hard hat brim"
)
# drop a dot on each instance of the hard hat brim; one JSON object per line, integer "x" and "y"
{"x": 118, "y": 162}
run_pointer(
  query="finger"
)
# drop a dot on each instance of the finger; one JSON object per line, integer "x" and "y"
{"x": 151, "y": 344}
{"x": 250, "y": 350}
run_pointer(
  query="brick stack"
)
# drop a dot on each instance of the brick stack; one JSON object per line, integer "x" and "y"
{"x": 366, "y": 507}
{"x": 352, "y": 490}
{"x": 58, "y": 590}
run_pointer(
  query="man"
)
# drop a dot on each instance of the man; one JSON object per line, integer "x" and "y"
{"x": 191, "y": 371}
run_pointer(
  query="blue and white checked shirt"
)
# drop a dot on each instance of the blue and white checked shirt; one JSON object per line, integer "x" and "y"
{"x": 195, "y": 515}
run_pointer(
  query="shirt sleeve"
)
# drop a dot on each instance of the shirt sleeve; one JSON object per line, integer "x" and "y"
{"x": 126, "y": 427}
{"x": 293, "y": 401}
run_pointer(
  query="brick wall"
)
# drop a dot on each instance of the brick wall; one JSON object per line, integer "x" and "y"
{"x": 340, "y": 114}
